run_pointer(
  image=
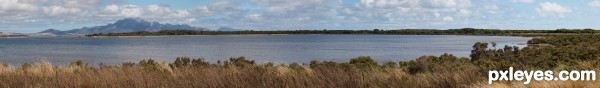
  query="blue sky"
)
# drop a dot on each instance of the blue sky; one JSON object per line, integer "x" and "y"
{"x": 28, "y": 16}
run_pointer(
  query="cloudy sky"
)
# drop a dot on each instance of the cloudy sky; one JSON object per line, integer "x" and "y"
{"x": 27, "y": 16}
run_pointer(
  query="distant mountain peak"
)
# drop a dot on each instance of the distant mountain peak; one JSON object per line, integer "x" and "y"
{"x": 132, "y": 19}
{"x": 50, "y": 31}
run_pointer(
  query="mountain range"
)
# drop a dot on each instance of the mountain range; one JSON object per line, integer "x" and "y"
{"x": 120, "y": 26}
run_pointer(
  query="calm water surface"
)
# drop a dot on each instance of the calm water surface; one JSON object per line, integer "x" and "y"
{"x": 262, "y": 48}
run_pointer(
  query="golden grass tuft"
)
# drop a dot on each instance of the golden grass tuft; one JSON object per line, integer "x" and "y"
{"x": 5, "y": 69}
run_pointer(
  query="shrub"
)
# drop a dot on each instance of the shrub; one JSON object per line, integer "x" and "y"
{"x": 199, "y": 62}
{"x": 180, "y": 62}
{"x": 390, "y": 65}
{"x": 127, "y": 64}
{"x": 25, "y": 66}
{"x": 77, "y": 63}
{"x": 240, "y": 62}
{"x": 363, "y": 62}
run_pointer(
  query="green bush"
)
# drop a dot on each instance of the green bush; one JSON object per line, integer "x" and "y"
{"x": 363, "y": 62}
{"x": 240, "y": 62}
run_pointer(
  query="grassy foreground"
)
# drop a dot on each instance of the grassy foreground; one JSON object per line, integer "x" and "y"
{"x": 238, "y": 72}
{"x": 555, "y": 53}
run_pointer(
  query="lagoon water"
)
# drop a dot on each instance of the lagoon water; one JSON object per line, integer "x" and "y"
{"x": 262, "y": 48}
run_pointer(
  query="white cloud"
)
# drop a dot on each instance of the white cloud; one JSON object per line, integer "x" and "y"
{"x": 415, "y": 3}
{"x": 383, "y": 3}
{"x": 549, "y": 8}
{"x": 297, "y": 13}
{"x": 112, "y": 9}
{"x": 160, "y": 13}
{"x": 201, "y": 11}
{"x": 446, "y": 3}
{"x": 523, "y": 1}
{"x": 158, "y": 9}
{"x": 11, "y": 7}
{"x": 67, "y": 8}
{"x": 151, "y": 12}
{"x": 165, "y": 11}
{"x": 131, "y": 11}
{"x": 179, "y": 14}
{"x": 82, "y": 4}
{"x": 419, "y": 11}
{"x": 448, "y": 18}
{"x": 61, "y": 11}
{"x": 293, "y": 9}
{"x": 256, "y": 17}
{"x": 493, "y": 9}
{"x": 594, "y": 4}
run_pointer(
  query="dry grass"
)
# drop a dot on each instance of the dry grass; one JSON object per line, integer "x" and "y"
{"x": 160, "y": 74}
{"x": 248, "y": 74}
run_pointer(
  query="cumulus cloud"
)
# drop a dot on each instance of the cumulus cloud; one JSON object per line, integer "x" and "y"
{"x": 82, "y": 4}
{"x": 165, "y": 11}
{"x": 159, "y": 9}
{"x": 66, "y": 8}
{"x": 13, "y": 13}
{"x": 301, "y": 14}
{"x": 256, "y": 17}
{"x": 131, "y": 11}
{"x": 422, "y": 11}
{"x": 394, "y": 13}
{"x": 448, "y": 18}
{"x": 111, "y": 9}
{"x": 151, "y": 11}
{"x": 201, "y": 11}
{"x": 594, "y": 3}
{"x": 446, "y": 3}
{"x": 549, "y": 9}
{"x": 294, "y": 11}
{"x": 415, "y": 3}
{"x": 523, "y": 1}
{"x": 179, "y": 14}
{"x": 121, "y": 11}
{"x": 11, "y": 7}
{"x": 61, "y": 11}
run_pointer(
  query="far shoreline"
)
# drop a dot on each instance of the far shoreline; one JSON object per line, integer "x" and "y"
{"x": 463, "y": 31}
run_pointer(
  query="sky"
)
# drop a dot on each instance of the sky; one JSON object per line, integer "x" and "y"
{"x": 29, "y": 16}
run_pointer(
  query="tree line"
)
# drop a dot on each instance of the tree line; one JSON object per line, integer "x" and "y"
{"x": 462, "y": 31}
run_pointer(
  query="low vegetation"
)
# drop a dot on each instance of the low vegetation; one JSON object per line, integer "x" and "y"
{"x": 560, "y": 52}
